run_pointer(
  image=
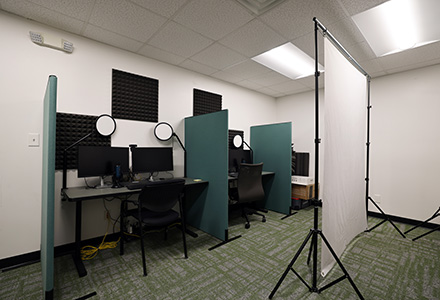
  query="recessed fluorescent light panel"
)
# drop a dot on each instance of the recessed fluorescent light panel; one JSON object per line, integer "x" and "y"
{"x": 398, "y": 25}
{"x": 51, "y": 41}
{"x": 288, "y": 60}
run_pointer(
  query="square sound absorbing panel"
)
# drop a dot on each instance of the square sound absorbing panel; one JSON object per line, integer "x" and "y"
{"x": 231, "y": 134}
{"x": 206, "y": 102}
{"x": 71, "y": 128}
{"x": 134, "y": 97}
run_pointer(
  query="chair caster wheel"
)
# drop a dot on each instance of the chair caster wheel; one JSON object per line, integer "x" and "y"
{"x": 264, "y": 220}
{"x": 247, "y": 226}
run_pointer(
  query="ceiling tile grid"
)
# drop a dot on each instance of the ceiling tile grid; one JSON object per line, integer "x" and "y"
{"x": 218, "y": 38}
{"x": 126, "y": 18}
{"x": 213, "y": 18}
{"x": 179, "y": 40}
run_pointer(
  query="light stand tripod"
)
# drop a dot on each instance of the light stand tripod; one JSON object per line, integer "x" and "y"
{"x": 315, "y": 232}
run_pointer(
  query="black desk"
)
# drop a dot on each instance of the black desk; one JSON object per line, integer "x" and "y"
{"x": 79, "y": 194}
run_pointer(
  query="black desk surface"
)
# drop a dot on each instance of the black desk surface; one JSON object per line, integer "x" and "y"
{"x": 84, "y": 193}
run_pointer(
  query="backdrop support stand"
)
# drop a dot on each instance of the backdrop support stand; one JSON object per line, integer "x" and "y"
{"x": 367, "y": 177}
{"x": 315, "y": 232}
{"x": 387, "y": 218}
{"x": 435, "y": 215}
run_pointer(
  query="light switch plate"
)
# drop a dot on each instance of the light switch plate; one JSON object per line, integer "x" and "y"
{"x": 34, "y": 140}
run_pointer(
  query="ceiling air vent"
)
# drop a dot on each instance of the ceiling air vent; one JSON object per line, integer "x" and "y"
{"x": 259, "y": 6}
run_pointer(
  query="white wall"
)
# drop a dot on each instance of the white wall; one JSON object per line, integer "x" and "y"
{"x": 84, "y": 87}
{"x": 300, "y": 110}
{"x": 405, "y": 140}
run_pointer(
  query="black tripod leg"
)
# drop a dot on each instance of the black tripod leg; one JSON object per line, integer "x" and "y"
{"x": 377, "y": 225}
{"x": 289, "y": 267}
{"x": 435, "y": 215}
{"x": 342, "y": 268}
{"x": 435, "y": 229}
{"x": 311, "y": 249}
{"x": 386, "y": 217}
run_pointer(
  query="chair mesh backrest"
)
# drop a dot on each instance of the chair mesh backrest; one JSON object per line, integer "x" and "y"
{"x": 249, "y": 183}
{"x": 160, "y": 196}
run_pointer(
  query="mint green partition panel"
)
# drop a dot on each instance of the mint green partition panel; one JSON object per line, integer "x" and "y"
{"x": 272, "y": 146}
{"x": 206, "y": 143}
{"x": 48, "y": 188}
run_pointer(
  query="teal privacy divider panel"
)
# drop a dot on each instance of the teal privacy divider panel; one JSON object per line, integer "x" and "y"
{"x": 48, "y": 188}
{"x": 206, "y": 143}
{"x": 272, "y": 146}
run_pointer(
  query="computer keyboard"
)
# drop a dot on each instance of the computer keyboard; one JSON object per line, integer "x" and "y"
{"x": 135, "y": 185}
{"x": 139, "y": 184}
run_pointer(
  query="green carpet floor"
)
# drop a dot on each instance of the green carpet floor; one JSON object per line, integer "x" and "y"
{"x": 382, "y": 264}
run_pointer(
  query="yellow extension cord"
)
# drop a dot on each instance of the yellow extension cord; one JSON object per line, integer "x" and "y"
{"x": 89, "y": 252}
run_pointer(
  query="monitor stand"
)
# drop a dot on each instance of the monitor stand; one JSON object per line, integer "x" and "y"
{"x": 102, "y": 185}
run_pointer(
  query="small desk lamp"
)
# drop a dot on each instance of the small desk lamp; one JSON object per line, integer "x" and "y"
{"x": 164, "y": 132}
{"x": 105, "y": 125}
{"x": 238, "y": 143}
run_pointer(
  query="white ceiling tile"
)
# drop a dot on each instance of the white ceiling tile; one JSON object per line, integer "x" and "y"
{"x": 346, "y": 32}
{"x": 179, "y": 40}
{"x": 411, "y": 57}
{"x": 225, "y": 76}
{"x": 361, "y": 52}
{"x": 161, "y": 55}
{"x": 247, "y": 69}
{"x": 290, "y": 86}
{"x": 270, "y": 92}
{"x": 414, "y": 66}
{"x": 252, "y": 39}
{"x": 43, "y": 15}
{"x": 111, "y": 38}
{"x": 213, "y": 18}
{"x": 307, "y": 44}
{"x": 354, "y": 7}
{"x": 218, "y": 56}
{"x": 165, "y": 8}
{"x": 126, "y": 18}
{"x": 293, "y": 19}
{"x": 207, "y": 35}
{"x": 79, "y": 9}
{"x": 249, "y": 84}
{"x": 198, "y": 67}
{"x": 269, "y": 78}
{"x": 310, "y": 80}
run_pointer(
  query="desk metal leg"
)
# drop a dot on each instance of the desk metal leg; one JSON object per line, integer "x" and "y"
{"x": 77, "y": 254}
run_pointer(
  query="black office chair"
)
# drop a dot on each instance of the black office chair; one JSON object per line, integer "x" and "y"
{"x": 155, "y": 210}
{"x": 250, "y": 190}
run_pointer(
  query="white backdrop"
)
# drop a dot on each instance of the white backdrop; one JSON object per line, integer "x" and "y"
{"x": 343, "y": 186}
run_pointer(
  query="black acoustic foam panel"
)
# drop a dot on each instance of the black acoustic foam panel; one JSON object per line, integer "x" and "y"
{"x": 301, "y": 164}
{"x": 206, "y": 102}
{"x": 70, "y": 129}
{"x": 134, "y": 97}
{"x": 232, "y": 133}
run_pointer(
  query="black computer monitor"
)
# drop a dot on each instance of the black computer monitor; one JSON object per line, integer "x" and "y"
{"x": 101, "y": 161}
{"x": 152, "y": 159}
{"x": 236, "y": 157}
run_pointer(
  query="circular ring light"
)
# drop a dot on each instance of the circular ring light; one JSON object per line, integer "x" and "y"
{"x": 163, "y": 131}
{"x": 237, "y": 141}
{"x": 105, "y": 125}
